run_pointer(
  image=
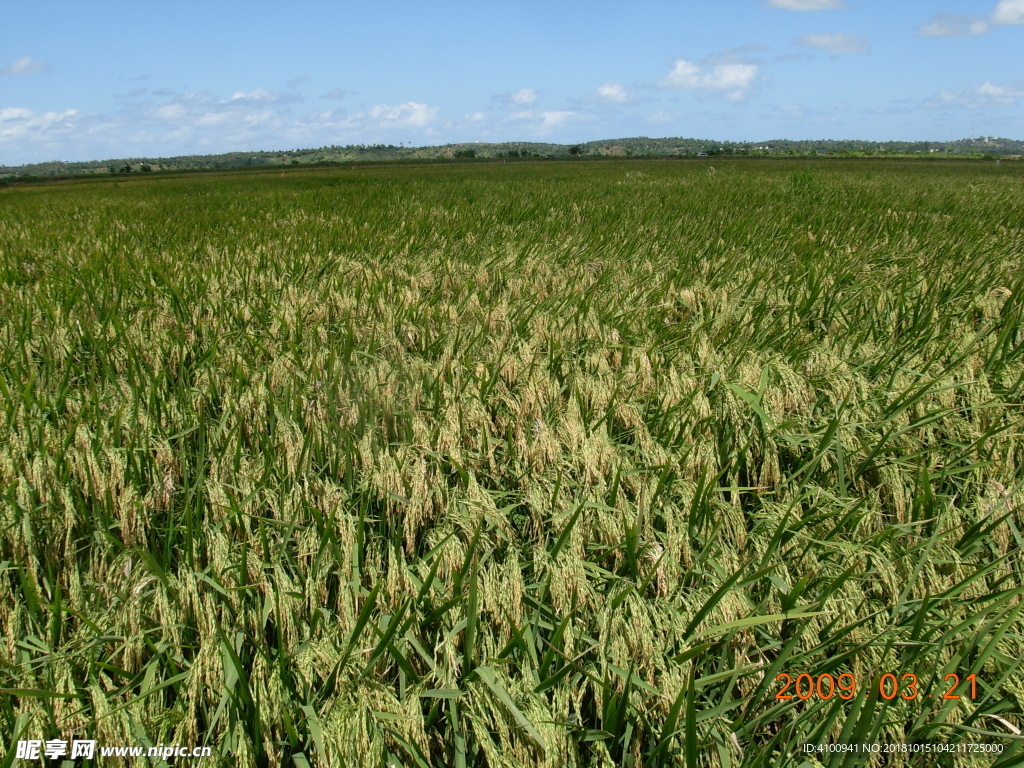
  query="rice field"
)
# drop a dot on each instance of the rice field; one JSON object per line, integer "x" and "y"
{"x": 537, "y": 464}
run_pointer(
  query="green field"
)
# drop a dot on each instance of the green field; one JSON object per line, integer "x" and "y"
{"x": 555, "y": 464}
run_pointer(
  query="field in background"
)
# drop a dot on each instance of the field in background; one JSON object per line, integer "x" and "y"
{"x": 538, "y": 464}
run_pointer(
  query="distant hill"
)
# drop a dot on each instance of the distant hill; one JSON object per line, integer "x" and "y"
{"x": 639, "y": 146}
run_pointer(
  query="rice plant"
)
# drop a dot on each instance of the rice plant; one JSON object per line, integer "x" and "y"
{"x": 554, "y": 464}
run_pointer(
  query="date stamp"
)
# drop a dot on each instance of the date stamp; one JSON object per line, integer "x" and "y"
{"x": 888, "y": 686}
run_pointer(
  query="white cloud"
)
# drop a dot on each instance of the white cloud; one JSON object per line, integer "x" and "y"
{"x": 684, "y": 74}
{"x": 15, "y": 113}
{"x": 551, "y": 120}
{"x": 730, "y": 80}
{"x": 836, "y": 43}
{"x": 614, "y": 93}
{"x": 412, "y": 114}
{"x": 26, "y": 65}
{"x": 988, "y": 95}
{"x": 208, "y": 122}
{"x": 539, "y": 123}
{"x": 524, "y": 98}
{"x": 1008, "y": 12}
{"x": 188, "y": 123}
{"x": 170, "y": 112}
{"x": 263, "y": 116}
{"x": 201, "y": 122}
{"x": 20, "y": 127}
{"x": 806, "y": 5}
{"x": 953, "y": 25}
{"x": 1001, "y": 94}
{"x": 260, "y": 96}
{"x": 335, "y": 94}
{"x": 518, "y": 101}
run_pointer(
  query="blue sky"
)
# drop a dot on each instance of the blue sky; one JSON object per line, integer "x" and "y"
{"x": 107, "y": 79}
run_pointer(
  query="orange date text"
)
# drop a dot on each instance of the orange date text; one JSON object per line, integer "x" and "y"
{"x": 889, "y": 686}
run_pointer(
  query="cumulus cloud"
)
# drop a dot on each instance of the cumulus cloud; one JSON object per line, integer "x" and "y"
{"x": 200, "y": 122}
{"x": 988, "y": 95}
{"x": 1006, "y": 13}
{"x": 381, "y": 119}
{"x": 520, "y": 100}
{"x": 550, "y": 120}
{"x": 806, "y": 5}
{"x": 205, "y": 109}
{"x": 524, "y": 98}
{"x": 836, "y": 43}
{"x": 412, "y": 114}
{"x": 610, "y": 95}
{"x": 260, "y": 96}
{"x": 540, "y": 123}
{"x": 731, "y": 78}
{"x": 44, "y": 133}
{"x": 26, "y": 65}
{"x": 203, "y": 121}
{"x": 614, "y": 93}
{"x": 209, "y": 121}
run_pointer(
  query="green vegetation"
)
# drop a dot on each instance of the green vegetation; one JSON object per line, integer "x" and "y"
{"x": 552, "y": 464}
{"x": 637, "y": 147}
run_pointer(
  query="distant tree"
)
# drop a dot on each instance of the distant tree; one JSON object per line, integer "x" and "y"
{"x": 126, "y": 168}
{"x": 145, "y": 168}
{"x": 575, "y": 150}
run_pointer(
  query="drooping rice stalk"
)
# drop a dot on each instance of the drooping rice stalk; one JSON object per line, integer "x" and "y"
{"x": 513, "y": 465}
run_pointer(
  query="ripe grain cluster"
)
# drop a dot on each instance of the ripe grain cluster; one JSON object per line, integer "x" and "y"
{"x": 533, "y": 464}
